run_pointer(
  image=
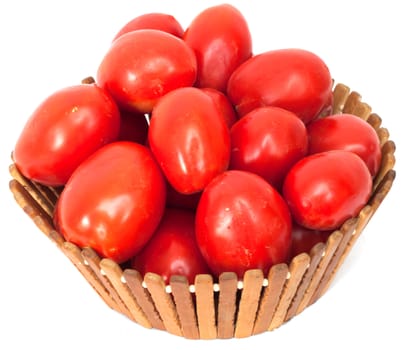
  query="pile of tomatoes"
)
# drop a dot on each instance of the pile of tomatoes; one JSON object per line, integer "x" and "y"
{"x": 190, "y": 154}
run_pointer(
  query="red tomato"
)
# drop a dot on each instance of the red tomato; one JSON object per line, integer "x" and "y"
{"x": 293, "y": 79}
{"x": 224, "y": 105}
{"x": 347, "y": 132}
{"x": 304, "y": 239}
{"x": 65, "y": 129}
{"x": 189, "y": 138}
{"x": 159, "y": 21}
{"x": 134, "y": 127}
{"x": 242, "y": 223}
{"x": 113, "y": 202}
{"x": 325, "y": 189}
{"x": 268, "y": 141}
{"x": 220, "y": 37}
{"x": 143, "y": 65}
{"x": 173, "y": 249}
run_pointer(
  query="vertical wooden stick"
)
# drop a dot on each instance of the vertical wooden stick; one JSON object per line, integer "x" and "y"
{"x": 248, "y": 305}
{"x": 205, "y": 306}
{"x": 163, "y": 302}
{"x": 184, "y": 306}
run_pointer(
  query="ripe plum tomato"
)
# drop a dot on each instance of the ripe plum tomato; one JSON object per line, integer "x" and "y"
{"x": 134, "y": 127}
{"x": 325, "y": 189}
{"x": 242, "y": 223}
{"x": 294, "y": 79}
{"x": 304, "y": 239}
{"x": 220, "y": 37}
{"x": 224, "y": 105}
{"x": 347, "y": 132}
{"x": 189, "y": 138}
{"x": 268, "y": 141}
{"x": 143, "y": 65}
{"x": 65, "y": 129}
{"x": 160, "y": 21}
{"x": 172, "y": 250}
{"x": 113, "y": 201}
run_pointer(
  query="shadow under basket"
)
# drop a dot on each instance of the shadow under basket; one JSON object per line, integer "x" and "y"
{"x": 226, "y": 307}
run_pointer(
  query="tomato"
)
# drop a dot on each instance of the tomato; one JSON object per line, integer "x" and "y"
{"x": 268, "y": 141}
{"x": 189, "y": 138}
{"x": 65, "y": 129}
{"x": 325, "y": 189}
{"x": 225, "y": 106}
{"x": 304, "y": 239}
{"x": 160, "y": 21}
{"x": 294, "y": 79}
{"x": 134, "y": 127}
{"x": 143, "y": 65}
{"x": 347, "y": 132}
{"x": 113, "y": 201}
{"x": 242, "y": 223}
{"x": 172, "y": 250}
{"x": 220, "y": 37}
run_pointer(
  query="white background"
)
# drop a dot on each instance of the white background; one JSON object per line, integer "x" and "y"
{"x": 44, "y": 46}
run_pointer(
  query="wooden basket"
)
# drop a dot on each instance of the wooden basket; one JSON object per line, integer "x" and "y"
{"x": 226, "y": 307}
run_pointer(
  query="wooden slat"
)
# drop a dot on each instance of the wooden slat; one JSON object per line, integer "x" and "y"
{"x": 205, "y": 306}
{"x": 32, "y": 190}
{"x": 351, "y": 234}
{"x": 352, "y": 101}
{"x": 387, "y": 163}
{"x": 184, "y": 306}
{"x": 332, "y": 243}
{"x": 114, "y": 273}
{"x": 316, "y": 254}
{"x": 74, "y": 255}
{"x": 276, "y": 279}
{"x": 35, "y": 212}
{"x": 348, "y": 231}
{"x": 383, "y": 135}
{"x": 134, "y": 280}
{"x": 93, "y": 261}
{"x": 163, "y": 303}
{"x": 374, "y": 120}
{"x": 340, "y": 94}
{"x": 30, "y": 206}
{"x": 48, "y": 193}
{"x": 228, "y": 283}
{"x": 297, "y": 268}
{"x": 248, "y": 305}
{"x": 362, "y": 110}
{"x": 382, "y": 189}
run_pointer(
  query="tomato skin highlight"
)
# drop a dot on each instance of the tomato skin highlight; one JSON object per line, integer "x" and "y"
{"x": 172, "y": 250}
{"x": 293, "y": 79}
{"x": 325, "y": 189}
{"x": 159, "y": 21}
{"x": 268, "y": 141}
{"x": 143, "y": 65}
{"x": 65, "y": 129}
{"x": 221, "y": 39}
{"x": 242, "y": 223}
{"x": 346, "y": 132}
{"x": 113, "y": 202}
{"x": 189, "y": 138}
